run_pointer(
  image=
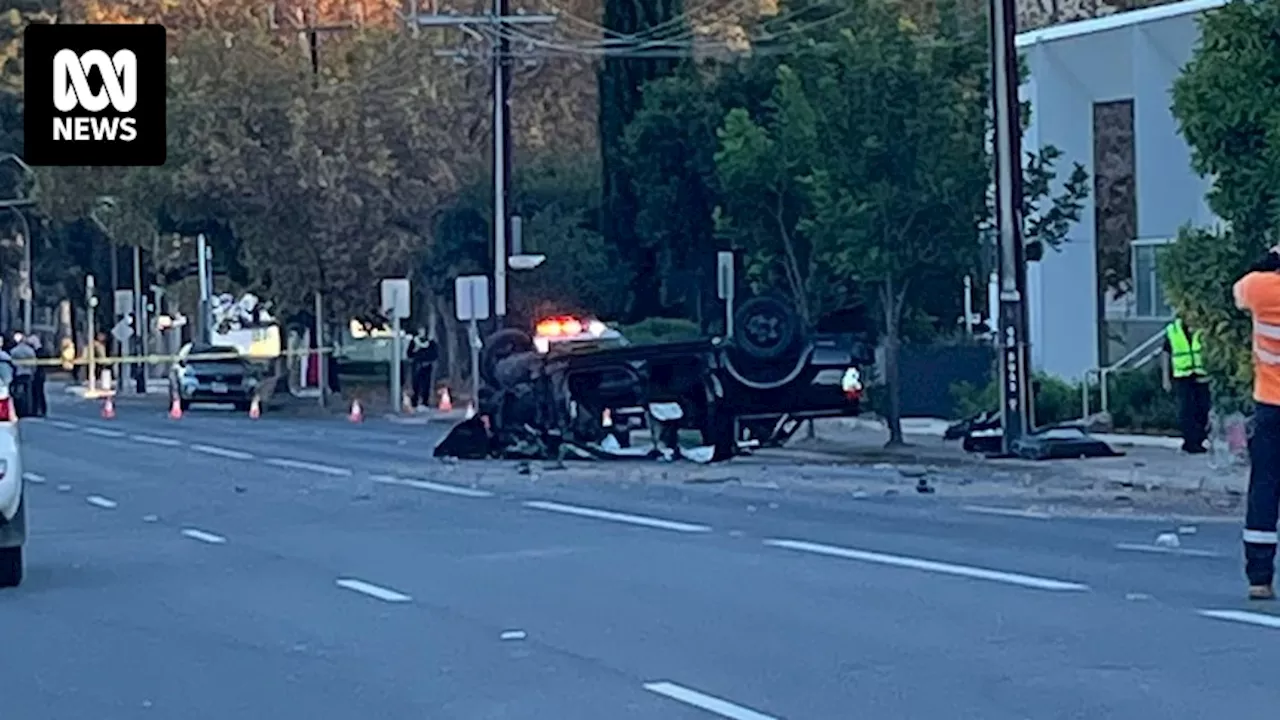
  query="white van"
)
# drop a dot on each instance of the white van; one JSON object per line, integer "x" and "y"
{"x": 13, "y": 511}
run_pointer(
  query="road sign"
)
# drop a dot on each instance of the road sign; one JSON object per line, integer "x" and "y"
{"x": 471, "y": 297}
{"x": 724, "y": 274}
{"x": 123, "y": 300}
{"x": 395, "y": 297}
{"x": 122, "y": 331}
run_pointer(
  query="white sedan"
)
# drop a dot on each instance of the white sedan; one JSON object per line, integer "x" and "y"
{"x": 13, "y": 513}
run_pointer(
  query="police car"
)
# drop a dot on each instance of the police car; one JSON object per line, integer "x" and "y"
{"x": 573, "y": 334}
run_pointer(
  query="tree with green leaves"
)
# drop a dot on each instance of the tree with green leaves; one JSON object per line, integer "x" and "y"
{"x": 1225, "y": 103}
{"x": 621, "y": 79}
{"x": 866, "y": 174}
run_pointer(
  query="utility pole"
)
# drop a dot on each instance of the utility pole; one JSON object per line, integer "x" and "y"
{"x": 312, "y": 28}
{"x": 1013, "y": 339}
{"x": 497, "y": 20}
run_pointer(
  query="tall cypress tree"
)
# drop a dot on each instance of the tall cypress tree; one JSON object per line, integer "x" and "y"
{"x": 621, "y": 80}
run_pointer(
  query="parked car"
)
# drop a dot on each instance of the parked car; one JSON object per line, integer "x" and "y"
{"x": 13, "y": 511}
{"x": 212, "y": 374}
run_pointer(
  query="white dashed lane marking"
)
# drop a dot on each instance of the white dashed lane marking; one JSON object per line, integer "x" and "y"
{"x": 1243, "y": 616}
{"x": 33, "y": 478}
{"x": 1008, "y": 512}
{"x": 202, "y": 536}
{"x": 222, "y": 452}
{"x": 374, "y": 591}
{"x": 641, "y": 520}
{"x": 99, "y": 501}
{"x": 977, "y": 573}
{"x": 710, "y": 703}
{"x": 103, "y": 432}
{"x": 1161, "y": 550}
{"x": 432, "y": 486}
{"x": 155, "y": 440}
{"x": 309, "y": 467}
{"x": 64, "y": 425}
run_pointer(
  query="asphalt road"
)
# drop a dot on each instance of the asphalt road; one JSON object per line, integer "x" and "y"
{"x": 217, "y": 567}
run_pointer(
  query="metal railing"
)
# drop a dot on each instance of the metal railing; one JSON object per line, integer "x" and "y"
{"x": 1149, "y": 350}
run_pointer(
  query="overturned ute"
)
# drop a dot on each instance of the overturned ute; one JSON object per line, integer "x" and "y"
{"x": 576, "y": 388}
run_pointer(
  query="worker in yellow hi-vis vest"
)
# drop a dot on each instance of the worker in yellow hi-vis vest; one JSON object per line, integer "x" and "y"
{"x": 1185, "y": 374}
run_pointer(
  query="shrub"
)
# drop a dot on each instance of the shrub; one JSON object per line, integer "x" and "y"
{"x": 659, "y": 330}
{"x": 1135, "y": 399}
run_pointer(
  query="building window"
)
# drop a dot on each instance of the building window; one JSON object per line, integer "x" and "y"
{"x": 1148, "y": 294}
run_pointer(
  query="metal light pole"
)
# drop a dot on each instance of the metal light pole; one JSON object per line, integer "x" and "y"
{"x": 1013, "y": 338}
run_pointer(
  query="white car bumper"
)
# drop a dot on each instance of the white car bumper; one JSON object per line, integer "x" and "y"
{"x": 12, "y": 517}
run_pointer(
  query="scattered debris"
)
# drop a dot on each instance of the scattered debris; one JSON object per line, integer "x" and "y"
{"x": 513, "y": 635}
{"x": 150, "y": 518}
{"x": 924, "y": 488}
{"x": 1168, "y": 540}
{"x": 1186, "y": 529}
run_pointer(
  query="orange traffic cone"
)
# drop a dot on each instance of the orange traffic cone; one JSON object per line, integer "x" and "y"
{"x": 175, "y": 409}
{"x": 108, "y": 408}
{"x": 446, "y": 402}
{"x": 255, "y": 409}
{"x": 357, "y": 413}
{"x": 606, "y": 420}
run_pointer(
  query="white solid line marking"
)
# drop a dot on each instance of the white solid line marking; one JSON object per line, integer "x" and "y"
{"x": 1007, "y": 512}
{"x": 433, "y": 487}
{"x": 99, "y": 501}
{"x": 1190, "y": 552}
{"x": 372, "y": 590}
{"x": 1263, "y": 619}
{"x": 222, "y": 452}
{"x": 33, "y": 478}
{"x": 711, "y": 704}
{"x": 154, "y": 440}
{"x": 641, "y": 520}
{"x": 64, "y": 425}
{"x": 312, "y": 467}
{"x": 513, "y": 635}
{"x": 103, "y": 432}
{"x": 203, "y": 536}
{"x": 977, "y": 573}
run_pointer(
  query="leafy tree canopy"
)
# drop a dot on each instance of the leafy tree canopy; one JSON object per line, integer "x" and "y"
{"x": 1226, "y": 104}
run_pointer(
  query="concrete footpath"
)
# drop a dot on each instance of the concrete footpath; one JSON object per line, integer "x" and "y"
{"x": 1152, "y": 474}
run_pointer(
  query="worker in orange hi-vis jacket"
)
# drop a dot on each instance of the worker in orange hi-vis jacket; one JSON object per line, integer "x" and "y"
{"x": 1258, "y": 292}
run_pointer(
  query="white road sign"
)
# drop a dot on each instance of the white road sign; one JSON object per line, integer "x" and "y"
{"x": 395, "y": 297}
{"x": 471, "y": 297}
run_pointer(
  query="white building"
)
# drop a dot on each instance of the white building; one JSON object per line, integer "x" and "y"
{"x": 1100, "y": 91}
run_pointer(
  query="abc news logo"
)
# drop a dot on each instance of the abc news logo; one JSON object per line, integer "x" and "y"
{"x": 71, "y": 90}
{"x": 95, "y": 95}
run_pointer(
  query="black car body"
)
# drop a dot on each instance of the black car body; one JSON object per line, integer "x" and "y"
{"x": 753, "y": 389}
{"x": 212, "y": 374}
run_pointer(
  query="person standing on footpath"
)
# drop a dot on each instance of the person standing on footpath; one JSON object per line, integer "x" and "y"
{"x": 39, "y": 401}
{"x": 1258, "y": 293}
{"x": 24, "y": 371}
{"x": 1184, "y": 372}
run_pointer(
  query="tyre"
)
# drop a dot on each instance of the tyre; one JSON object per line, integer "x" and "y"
{"x": 184, "y": 404}
{"x": 623, "y": 437}
{"x": 499, "y": 346}
{"x": 765, "y": 328}
{"x": 10, "y": 566}
{"x": 242, "y": 406}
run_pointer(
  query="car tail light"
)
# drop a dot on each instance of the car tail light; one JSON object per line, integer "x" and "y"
{"x": 7, "y": 411}
{"x": 549, "y": 328}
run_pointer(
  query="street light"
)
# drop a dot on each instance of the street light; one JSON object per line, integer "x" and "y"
{"x": 25, "y": 292}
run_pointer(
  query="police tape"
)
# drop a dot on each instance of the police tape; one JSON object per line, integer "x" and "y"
{"x": 107, "y": 361}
